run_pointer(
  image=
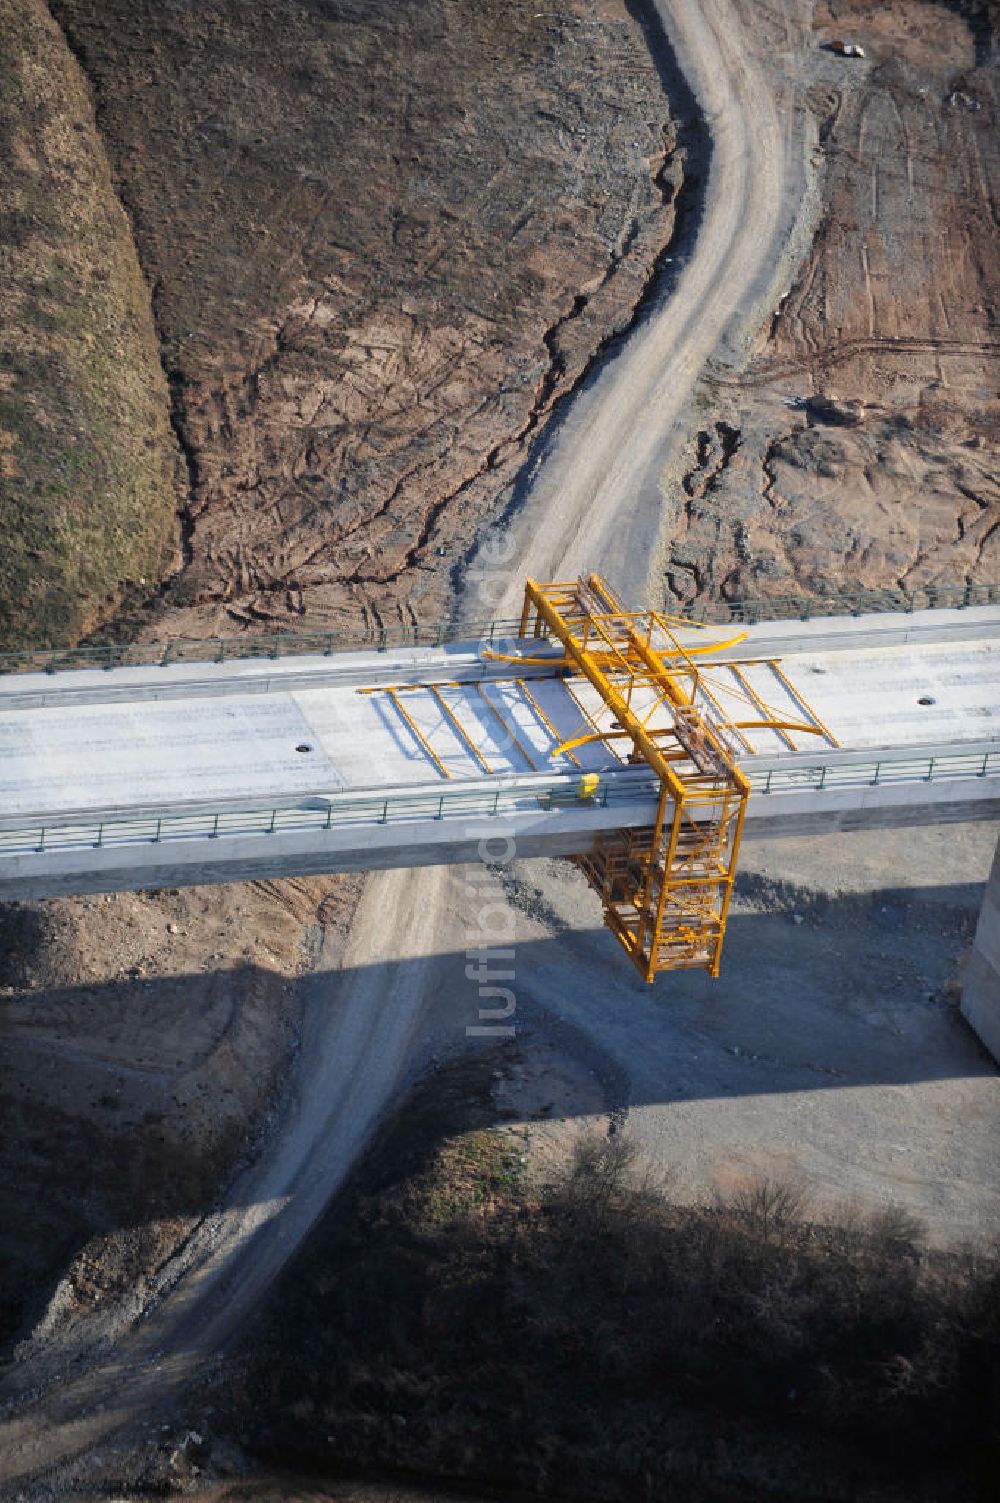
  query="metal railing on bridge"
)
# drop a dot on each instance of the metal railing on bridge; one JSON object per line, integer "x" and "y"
{"x": 854, "y": 769}
{"x": 320, "y": 812}
{"x": 838, "y": 771}
{"x": 221, "y": 649}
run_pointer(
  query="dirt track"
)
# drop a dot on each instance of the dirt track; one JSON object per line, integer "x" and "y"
{"x": 597, "y": 495}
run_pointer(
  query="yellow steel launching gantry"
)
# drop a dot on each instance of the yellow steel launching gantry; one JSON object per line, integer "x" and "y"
{"x": 652, "y": 683}
{"x": 665, "y": 890}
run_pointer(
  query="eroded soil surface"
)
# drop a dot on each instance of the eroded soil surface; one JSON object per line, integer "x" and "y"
{"x": 893, "y": 315}
{"x": 383, "y": 239}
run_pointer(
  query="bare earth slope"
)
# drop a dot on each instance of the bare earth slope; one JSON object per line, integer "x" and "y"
{"x": 141, "y": 1037}
{"x": 88, "y": 462}
{"x": 383, "y": 238}
{"x": 895, "y": 308}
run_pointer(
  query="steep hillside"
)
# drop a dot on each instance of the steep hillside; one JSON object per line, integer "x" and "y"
{"x": 88, "y": 462}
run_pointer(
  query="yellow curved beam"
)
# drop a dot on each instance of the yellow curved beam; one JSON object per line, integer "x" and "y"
{"x": 590, "y": 736}
{"x": 709, "y": 646}
{"x": 585, "y": 740}
{"x": 512, "y": 657}
{"x": 776, "y": 725}
{"x": 602, "y": 657}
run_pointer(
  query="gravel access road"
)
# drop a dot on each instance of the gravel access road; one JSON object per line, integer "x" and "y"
{"x": 596, "y": 501}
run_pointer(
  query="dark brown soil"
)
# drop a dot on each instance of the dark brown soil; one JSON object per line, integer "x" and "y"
{"x": 383, "y": 239}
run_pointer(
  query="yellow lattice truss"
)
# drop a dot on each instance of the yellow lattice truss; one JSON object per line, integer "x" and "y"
{"x": 666, "y": 890}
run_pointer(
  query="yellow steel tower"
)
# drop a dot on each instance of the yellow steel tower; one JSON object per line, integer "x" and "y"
{"x": 665, "y": 890}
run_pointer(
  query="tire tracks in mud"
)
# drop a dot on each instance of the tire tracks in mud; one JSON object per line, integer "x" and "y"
{"x": 764, "y": 372}
{"x": 554, "y": 390}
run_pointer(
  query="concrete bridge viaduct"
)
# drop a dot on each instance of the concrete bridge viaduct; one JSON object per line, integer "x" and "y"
{"x": 175, "y": 772}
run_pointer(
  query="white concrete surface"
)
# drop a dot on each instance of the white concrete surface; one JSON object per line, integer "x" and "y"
{"x": 112, "y": 779}
{"x": 117, "y": 756}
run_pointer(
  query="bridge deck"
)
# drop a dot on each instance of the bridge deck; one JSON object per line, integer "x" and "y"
{"x": 348, "y": 731}
{"x": 259, "y": 730}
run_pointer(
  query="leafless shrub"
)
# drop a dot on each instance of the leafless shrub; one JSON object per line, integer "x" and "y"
{"x": 894, "y": 1231}
{"x": 768, "y": 1205}
{"x": 602, "y": 1170}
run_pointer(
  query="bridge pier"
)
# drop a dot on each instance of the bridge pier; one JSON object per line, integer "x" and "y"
{"x": 981, "y": 993}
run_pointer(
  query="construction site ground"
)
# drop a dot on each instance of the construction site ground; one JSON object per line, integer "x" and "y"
{"x": 178, "y": 1068}
{"x": 890, "y": 320}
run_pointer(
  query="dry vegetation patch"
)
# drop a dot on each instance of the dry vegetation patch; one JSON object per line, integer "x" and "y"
{"x": 88, "y": 461}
